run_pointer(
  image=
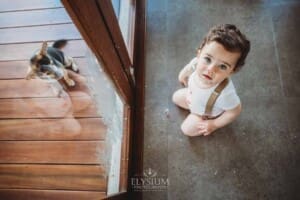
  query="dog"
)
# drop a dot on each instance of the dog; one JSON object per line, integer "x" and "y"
{"x": 51, "y": 62}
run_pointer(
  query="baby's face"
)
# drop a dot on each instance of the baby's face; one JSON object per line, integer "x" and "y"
{"x": 215, "y": 63}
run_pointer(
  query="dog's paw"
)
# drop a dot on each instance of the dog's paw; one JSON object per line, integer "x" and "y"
{"x": 31, "y": 76}
{"x": 77, "y": 71}
{"x": 75, "y": 68}
{"x": 70, "y": 83}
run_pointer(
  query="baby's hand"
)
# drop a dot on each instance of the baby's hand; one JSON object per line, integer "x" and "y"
{"x": 206, "y": 127}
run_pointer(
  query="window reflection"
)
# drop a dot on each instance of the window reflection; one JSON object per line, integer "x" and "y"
{"x": 116, "y": 5}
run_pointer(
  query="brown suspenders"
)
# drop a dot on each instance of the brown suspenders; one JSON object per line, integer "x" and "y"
{"x": 213, "y": 97}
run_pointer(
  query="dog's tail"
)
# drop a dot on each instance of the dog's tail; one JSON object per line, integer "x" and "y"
{"x": 59, "y": 44}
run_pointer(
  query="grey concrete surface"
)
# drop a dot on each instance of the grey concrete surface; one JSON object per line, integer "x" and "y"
{"x": 257, "y": 156}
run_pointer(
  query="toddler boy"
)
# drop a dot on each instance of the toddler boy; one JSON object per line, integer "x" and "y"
{"x": 209, "y": 93}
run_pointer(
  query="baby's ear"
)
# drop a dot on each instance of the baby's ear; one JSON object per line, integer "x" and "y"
{"x": 235, "y": 70}
{"x": 43, "y": 50}
{"x": 198, "y": 52}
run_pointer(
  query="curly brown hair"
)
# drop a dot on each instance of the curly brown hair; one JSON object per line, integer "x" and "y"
{"x": 231, "y": 38}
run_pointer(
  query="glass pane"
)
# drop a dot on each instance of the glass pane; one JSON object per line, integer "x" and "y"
{"x": 60, "y": 115}
{"x": 111, "y": 108}
{"x": 125, "y": 12}
{"x": 116, "y": 5}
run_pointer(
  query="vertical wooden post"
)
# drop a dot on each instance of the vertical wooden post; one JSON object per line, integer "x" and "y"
{"x": 137, "y": 137}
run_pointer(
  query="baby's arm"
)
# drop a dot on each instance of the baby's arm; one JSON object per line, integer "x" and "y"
{"x": 186, "y": 72}
{"x": 209, "y": 126}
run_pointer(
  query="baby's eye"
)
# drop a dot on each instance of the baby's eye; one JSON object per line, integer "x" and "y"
{"x": 207, "y": 59}
{"x": 223, "y": 67}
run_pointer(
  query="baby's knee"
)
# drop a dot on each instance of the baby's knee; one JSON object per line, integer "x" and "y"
{"x": 178, "y": 97}
{"x": 189, "y": 126}
{"x": 184, "y": 129}
{"x": 187, "y": 130}
{"x": 175, "y": 97}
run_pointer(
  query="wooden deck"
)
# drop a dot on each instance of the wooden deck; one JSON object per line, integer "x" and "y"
{"x": 51, "y": 146}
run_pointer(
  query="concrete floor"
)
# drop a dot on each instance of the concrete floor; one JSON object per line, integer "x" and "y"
{"x": 256, "y": 157}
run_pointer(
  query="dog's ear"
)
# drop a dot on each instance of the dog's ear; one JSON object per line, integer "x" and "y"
{"x": 43, "y": 50}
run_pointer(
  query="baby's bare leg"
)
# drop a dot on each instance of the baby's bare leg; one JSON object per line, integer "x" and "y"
{"x": 179, "y": 98}
{"x": 189, "y": 126}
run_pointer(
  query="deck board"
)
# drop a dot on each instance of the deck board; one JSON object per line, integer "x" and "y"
{"x": 34, "y": 18}
{"x": 62, "y": 177}
{"x": 53, "y": 129}
{"x": 64, "y": 107}
{"x": 22, "y": 88}
{"x": 15, "y": 5}
{"x": 52, "y": 145}
{"x": 9, "y": 52}
{"x": 18, "y": 69}
{"x": 38, "y": 33}
{"x": 53, "y": 152}
{"x": 27, "y": 88}
{"x": 23, "y": 194}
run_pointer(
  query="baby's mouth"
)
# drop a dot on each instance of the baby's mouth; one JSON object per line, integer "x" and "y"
{"x": 207, "y": 77}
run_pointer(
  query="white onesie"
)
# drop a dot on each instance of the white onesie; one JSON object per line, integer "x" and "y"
{"x": 198, "y": 97}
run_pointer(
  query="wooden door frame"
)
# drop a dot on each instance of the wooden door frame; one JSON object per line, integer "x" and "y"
{"x": 92, "y": 23}
{"x": 98, "y": 25}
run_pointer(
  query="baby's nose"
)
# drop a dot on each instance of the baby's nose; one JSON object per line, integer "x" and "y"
{"x": 211, "y": 68}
